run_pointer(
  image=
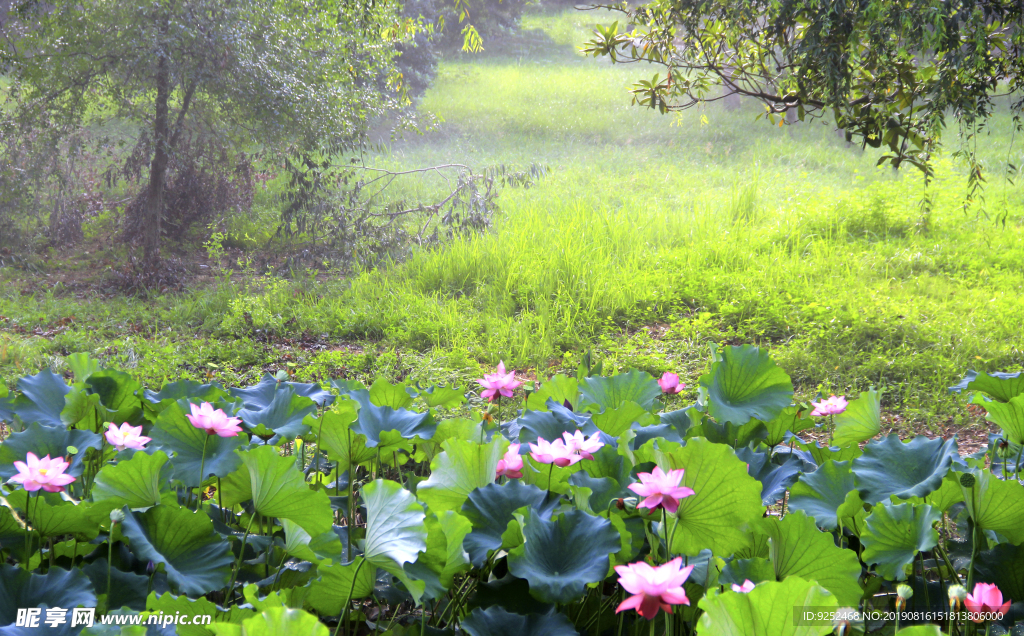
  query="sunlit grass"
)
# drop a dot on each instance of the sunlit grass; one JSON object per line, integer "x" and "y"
{"x": 713, "y": 224}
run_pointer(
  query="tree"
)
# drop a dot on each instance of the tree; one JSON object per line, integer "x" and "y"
{"x": 889, "y": 73}
{"x": 300, "y": 75}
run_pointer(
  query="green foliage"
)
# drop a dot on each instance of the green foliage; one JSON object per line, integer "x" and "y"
{"x": 861, "y": 420}
{"x": 309, "y": 538}
{"x": 895, "y": 534}
{"x": 195, "y": 558}
{"x": 757, "y": 613}
{"x": 560, "y": 556}
{"x": 744, "y": 384}
{"x": 725, "y": 499}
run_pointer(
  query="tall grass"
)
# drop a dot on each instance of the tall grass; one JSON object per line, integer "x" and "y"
{"x": 710, "y": 225}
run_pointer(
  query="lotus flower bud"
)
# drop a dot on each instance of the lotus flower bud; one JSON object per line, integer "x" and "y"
{"x": 116, "y": 516}
{"x": 957, "y": 594}
{"x": 150, "y": 568}
{"x": 903, "y": 592}
{"x": 842, "y": 620}
{"x": 967, "y": 480}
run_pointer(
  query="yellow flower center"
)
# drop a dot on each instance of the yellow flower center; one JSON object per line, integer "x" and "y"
{"x": 42, "y": 471}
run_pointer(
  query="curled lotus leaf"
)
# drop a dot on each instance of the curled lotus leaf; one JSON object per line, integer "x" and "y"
{"x": 904, "y": 469}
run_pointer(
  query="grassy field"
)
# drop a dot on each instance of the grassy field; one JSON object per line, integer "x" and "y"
{"x": 651, "y": 237}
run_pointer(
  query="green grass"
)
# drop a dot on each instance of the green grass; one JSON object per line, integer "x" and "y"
{"x": 652, "y": 236}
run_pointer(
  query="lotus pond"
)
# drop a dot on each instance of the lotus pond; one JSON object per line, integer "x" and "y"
{"x": 591, "y": 505}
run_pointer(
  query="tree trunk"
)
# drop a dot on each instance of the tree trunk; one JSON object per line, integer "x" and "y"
{"x": 158, "y": 168}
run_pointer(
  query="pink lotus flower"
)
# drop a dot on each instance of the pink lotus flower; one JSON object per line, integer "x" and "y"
{"x": 653, "y": 588}
{"x": 743, "y": 589}
{"x": 511, "y": 465}
{"x": 832, "y": 406}
{"x": 661, "y": 490}
{"x": 582, "y": 445}
{"x": 127, "y": 436}
{"x": 555, "y": 452}
{"x": 987, "y": 599}
{"x": 499, "y": 383}
{"x": 214, "y": 422}
{"x": 44, "y": 473}
{"x": 670, "y": 383}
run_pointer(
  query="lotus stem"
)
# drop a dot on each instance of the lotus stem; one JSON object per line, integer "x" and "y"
{"x": 238, "y": 561}
{"x": 551, "y": 469}
{"x": 110, "y": 559}
{"x": 319, "y": 432}
{"x": 202, "y": 468}
{"x": 1016, "y": 467}
{"x": 348, "y": 603}
{"x": 924, "y": 582}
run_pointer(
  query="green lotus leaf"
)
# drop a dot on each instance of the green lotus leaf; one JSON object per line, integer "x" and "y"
{"x": 383, "y": 393}
{"x": 46, "y": 440}
{"x": 188, "y": 390}
{"x": 820, "y": 494}
{"x": 1001, "y": 386}
{"x": 894, "y": 534}
{"x": 682, "y": 420}
{"x": 137, "y": 482}
{"x": 725, "y": 498}
{"x": 616, "y": 421}
{"x": 755, "y": 570}
{"x": 495, "y": 621}
{"x": 449, "y": 397}
{"x": 460, "y": 428}
{"x": 56, "y": 588}
{"x": 375, "y": 419}
{"x": 41, "y": 399}
{"x": 767, "y": 610}
{"x": 285, "y": 415}
{"x": 560, "y": 389}
{"x": 169, "y": 604}
{"x": 861, "y": 420}
{"x": 746, "y": 384}
{"x": 119, "y": 394}
{"x": 84, "y": 411}
{"x": 949, "y": 493}
{"x": 260, "y": 396}
{"x": 598, "y": 393}
{"x": 343, "y": 444}
{"x": 489, "y": 510}
{"x": 798, "y": 548}
{"x": 562, "y": 555}
{"x": 996, "y": 505}
{"x": 820, "y": 454}
{"x": 12, "y": 534}
{"x": 127, "y": 589}
{"x": 277, "y": 489}
{"x": 82, "y": 365}
{"x": 551, "y": 423}
{"x": 174, "y": 433}
{"x": 338, "y": 584}
{"x": 463, "y": 467}
{"x": 455, "y": 528}
{"x": 792, "y": 419}
{"x": 548, "y": 476}
{"x": 912, "y": 469}
{"x": 53, "y": 516}
{"x": 1009, "y": 416}
{"x": 661, "y": 433}
{"x": 197, "y": 559}
{"x": 604, "y": 480}
{"x": 735, "y": 435}
{"x": 277, "y": 621}
{"x": 293, "y": 597}
{"x": 323, "y": 547}
{"x": 395, "y": 533}
{"x": 775, "y": 478}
